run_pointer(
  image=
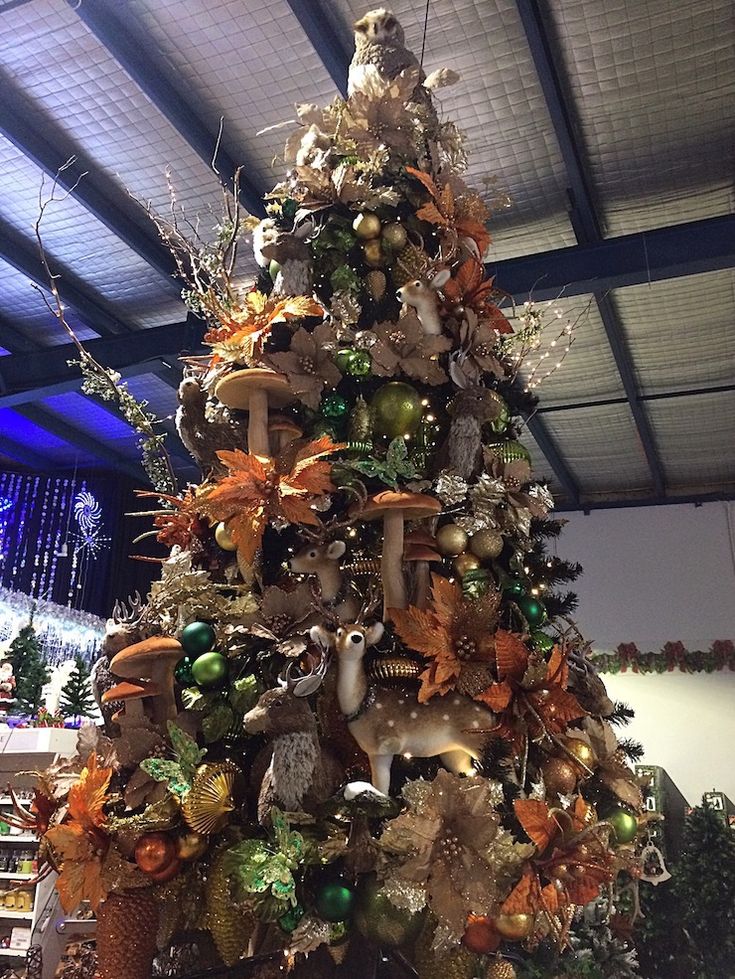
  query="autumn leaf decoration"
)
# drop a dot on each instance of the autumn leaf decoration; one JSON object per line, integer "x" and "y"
{"x": 80, "y": 843}
{"x": 446, "y": 211}
{"x": 260, "y": 488}
{"x": 470, "y": 288}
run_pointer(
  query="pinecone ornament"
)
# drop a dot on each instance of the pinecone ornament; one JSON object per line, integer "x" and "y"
{"x": 126, "y": 935}
{"x": 500, "y": 969}
{"x": 229, "y": 927}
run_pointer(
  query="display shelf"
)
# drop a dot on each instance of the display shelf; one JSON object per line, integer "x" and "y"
{"x": 82, "y": 926}
{"x": 4, "y": 875}
{"x": 16, "y": 915}
{"x": 24, "y": 838}
{"x": 13, "y": 953}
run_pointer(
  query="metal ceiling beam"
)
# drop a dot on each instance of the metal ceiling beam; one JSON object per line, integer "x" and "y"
{"x": 585, "y": 222}
{"x": 659, "y": 396}
{"x": 14, "y": 341}
{"x": 22, "y": 454}
{"x": 554, "y": 458}
{"x": 48, "y": 147}
{"x": 696, "y": 499}
{"x": 80, "y": 440}
{"x": 49, "y": 365}
{"x": 134, "y": 55}
{"x": 628, "y": 260}
{"x": 18, "y": 252}
{"x": 317, "y": 25}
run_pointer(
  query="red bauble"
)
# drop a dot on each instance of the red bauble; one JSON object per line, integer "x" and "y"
{"x": 154, "y": 852}
{"x": 480, "y": 935}
{"x": 165, "y": 875}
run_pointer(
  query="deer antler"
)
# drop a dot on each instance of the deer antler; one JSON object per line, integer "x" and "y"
{"x": 309, "y": 683}
{"x": 372, "y": 600}
{"x": 123, "y": 615}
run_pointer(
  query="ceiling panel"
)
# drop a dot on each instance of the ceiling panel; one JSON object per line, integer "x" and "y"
{"x": 92, "y": 420}
{"x": 541, "y": 468}
{"x": 681, "y": 332}
{"x": 159, "y": 395}
{"x": 697, "y": 441}
{"x": 42, "y": 443}
{"x": 23, "y": 307}
{"x": 653, "y": 89}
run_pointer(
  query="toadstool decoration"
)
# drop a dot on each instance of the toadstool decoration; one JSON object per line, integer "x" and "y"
{"x": 255, "y": 390}
{"x": 152, "y": 659}
{"x": 132, "y": 696}
{"x": 394, "y": 508}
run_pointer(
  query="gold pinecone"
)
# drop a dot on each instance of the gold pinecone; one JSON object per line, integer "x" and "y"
{"x": 126, "y": 935}
{"x": 411, "y": 263}
{"x": 229, "y": 927}
{"x": 394, "y": 670}
{"x": 500, "y": 969}
{"x": 459, "y": 963}
{"x": 474, "y": 678}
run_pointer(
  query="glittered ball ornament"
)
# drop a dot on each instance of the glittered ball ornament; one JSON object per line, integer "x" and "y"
{"x": 624, "y": 824}
{"x": 458, "y": 962}
{"x": 210, "y": 671}
{"x": 191, "y": 846}
{"x": 451, "y": 540}
{"x": 334, "y": 406}
{"x": 583, "y": 754}
{"x": 560, "y": 776}
{"x": 480, "y": 934}
{"x": 486, "y": 544}
{"x": 366, "y": 225}
{"x": 223, "y": 537}
{"x": 342, "y": 358}
{"x": 515, "y": 927}
{"x": 197, "y": 638}
{"x": 379, "y": 920}
{"x": 360, "y": 364}
{"x": 394, "y": 236}
{"x": 543, "y": 642}
{"x": 396, "y": 409}
{"x": 465, "y": 563}
{"x": 372, "y": 252}
{"x": 182, "y": 672}
{"x": 168, "y": 873}
{"x": 335, "y": 900}
{"x": 154, "y": 852}
{"x": 514, "y": 590}
{"x": 500, "y": 969}
{"x": 532, "y": 610}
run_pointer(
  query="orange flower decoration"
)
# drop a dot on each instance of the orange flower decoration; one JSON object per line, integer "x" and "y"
{"x": 455, "y": 633}
{"x": 260, "y": 488}
{"x": 80, "y": 842}
{"x": 446, "y": 211}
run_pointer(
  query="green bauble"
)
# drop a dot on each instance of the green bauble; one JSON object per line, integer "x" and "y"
{"x": 397, "y": 409}
{"x": 360, "y": 364}
{"x": 335, "y": 901}
{"x": 503, "y": 420}
{"x": 182, "y": 673}
{"x": 533, "y": 611}
{"x": 542, "y": 641}
{"x": 334, "y": 406}
{"x": 624, "y": 824}
{"x": 343, "y": 357}
{"x": 515, "y": 589}
{"x": 197, "y": 638}
{"x": 380, "y": 920}
{"x": 291, "y": 918}
{"x": 511, "y": 451}
{"x": 273, "y": 269}
{"x": 210, "y": 671}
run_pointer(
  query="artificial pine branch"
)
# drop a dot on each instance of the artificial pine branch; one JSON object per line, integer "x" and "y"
{"x": 633, "y": 750}
{"x": 622, "y": 714}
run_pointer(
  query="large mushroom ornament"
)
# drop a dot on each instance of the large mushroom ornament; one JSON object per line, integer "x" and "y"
{"x": 132, "y": 696}
{"x": 152, "y": 659}
{"x": 395, "y": 507}
{"x": 255, "y": 390}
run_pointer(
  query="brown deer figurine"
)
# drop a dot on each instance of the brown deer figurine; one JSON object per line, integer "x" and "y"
{"x": 301, "y": 774}
{"x": 322, "y": 559}
{"x": 386, "y": 723}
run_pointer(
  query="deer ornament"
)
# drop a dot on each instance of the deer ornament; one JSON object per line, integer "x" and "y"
{"x": 322, "y": 559}
{"x": 301, "y": 774}
{"x": 386, "y": 723}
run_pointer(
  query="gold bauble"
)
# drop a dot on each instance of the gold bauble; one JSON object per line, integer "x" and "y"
{"x": 126, "y": 935}
{"x": 465, "y": 563}
{"x": 486, "y": 544}
{"x": 376, "y": 283}
{"x": 378, "y": 919}
{"x": 191, "y": 846}
{"x": 366, "y": 225}
{"x": 583, "y": 753}
{"x": 458, "y": 963}
{"x": 208, "y": 805}
{"x": 451, "y": 540}
{"x": 515, "y": 927}
{"x": 229, "y": 926}
{"x": 560, "y": 776}
{"x": 373, "y": 253}
{"x": 395, "y": 236}
{"x": 224, "y": 538}
{"x": 500, "y": 969}
{"x": 393, "y": 669}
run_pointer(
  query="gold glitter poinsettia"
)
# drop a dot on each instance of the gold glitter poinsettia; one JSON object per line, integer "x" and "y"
{"x": 285, "y": 617}
{"x": 404, "y": 346}
{"x": 309, "y": 363}
{"x": 477, "y": 352}
{"x": 450, "y": 844}
{"x": 456, "y": 634}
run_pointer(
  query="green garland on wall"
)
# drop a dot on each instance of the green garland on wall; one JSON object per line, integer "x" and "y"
{"x": 674, "y": 657}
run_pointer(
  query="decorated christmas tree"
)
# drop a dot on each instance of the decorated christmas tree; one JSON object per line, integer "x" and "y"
{"x": 348, "y": 728}
{"x": 29, "y": 667}
{"x": 76, "y": 694}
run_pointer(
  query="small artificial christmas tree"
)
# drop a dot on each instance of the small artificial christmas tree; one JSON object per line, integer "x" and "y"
{"x": 76, "y": 695}
{"x": 29, "y": 667}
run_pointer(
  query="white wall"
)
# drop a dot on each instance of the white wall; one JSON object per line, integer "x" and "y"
{"x": 651, "y": 575}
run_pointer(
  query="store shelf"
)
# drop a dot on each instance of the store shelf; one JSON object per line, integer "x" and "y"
{"x": 9, "y": 838}
{"x": 82, "y": 926}
{"x": 7, "y": 876}
{"x": 16, "y": 915}
{"x": 13, "y": 953}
